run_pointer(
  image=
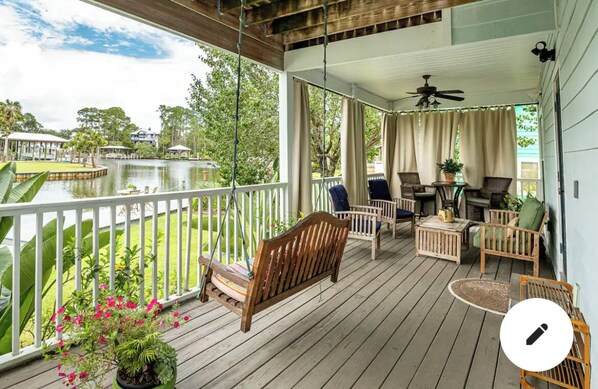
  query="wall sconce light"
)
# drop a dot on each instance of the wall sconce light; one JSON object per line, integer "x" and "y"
{"x": 543, "y": 53}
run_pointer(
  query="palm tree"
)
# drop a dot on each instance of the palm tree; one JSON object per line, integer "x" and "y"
{"x": 87, "y": 141}
{"x": 10, "y": 114}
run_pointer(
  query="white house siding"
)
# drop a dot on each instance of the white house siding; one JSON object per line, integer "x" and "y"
{"x": 576, "y": 42}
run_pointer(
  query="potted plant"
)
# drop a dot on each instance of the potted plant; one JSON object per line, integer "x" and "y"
{"x": 131, "y": 186}
{"x": 115, "y": 333}
{"x": 450, "y": 167}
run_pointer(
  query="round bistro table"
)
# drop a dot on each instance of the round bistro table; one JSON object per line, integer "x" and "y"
{"x": 449, "y": 193}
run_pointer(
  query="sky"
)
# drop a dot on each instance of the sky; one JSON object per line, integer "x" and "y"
{"x": 58, "y": 56}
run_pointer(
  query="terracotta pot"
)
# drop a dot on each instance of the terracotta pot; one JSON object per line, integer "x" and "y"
{"x": 449, "y": 177}
{"x": 122, "y": 385}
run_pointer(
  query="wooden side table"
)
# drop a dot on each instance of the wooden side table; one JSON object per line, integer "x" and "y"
{"x": 441, "y": 240}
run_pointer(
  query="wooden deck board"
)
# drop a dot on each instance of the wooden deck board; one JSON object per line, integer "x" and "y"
{"x": 386, "y": 323}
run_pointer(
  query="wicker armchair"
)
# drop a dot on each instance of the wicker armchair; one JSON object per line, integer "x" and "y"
{"x": 366, "y": 221}
{"x": 412, "y": 189}
{"x": 488, "y": 197}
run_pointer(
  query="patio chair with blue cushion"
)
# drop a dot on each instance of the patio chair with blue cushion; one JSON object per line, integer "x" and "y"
{"x": 365, "y": 220}
{"x": 394, "y": 211}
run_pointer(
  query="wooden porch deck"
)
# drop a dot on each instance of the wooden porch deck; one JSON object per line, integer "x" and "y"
{"x": 388, "y": 323}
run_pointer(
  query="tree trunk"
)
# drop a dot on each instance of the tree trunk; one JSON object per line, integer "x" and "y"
{"x": 5, "y": 153}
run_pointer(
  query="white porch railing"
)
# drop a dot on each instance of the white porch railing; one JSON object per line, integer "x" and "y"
{"x": 171, "y": 230}
{"x": 531, "y": 186}
{"x": 324, "y": 204}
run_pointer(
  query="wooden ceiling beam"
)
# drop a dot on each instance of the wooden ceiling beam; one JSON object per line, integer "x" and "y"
{"x": 352, "y": 10}
{"x": 210, "y": 9}
{"x": 231, "y": 5}
{"x": 278, "y": 9}
{"x": 176, "y": 18}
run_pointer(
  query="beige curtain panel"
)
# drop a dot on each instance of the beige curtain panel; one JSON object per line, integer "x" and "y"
{"x": 438, "y": 133}
{"x": 301, "y": 200}
{"x": 353, "y": 153}
{"x": 398, "y": 148}
{"x": 488, "y": 145}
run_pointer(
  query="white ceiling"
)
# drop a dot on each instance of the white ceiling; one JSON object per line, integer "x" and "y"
{"x": 493, "y": 66}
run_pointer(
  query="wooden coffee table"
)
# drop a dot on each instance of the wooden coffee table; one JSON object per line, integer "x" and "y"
{"x": 441, "y": 240}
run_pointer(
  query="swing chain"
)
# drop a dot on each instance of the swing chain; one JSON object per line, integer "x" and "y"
{"x": 233, "y": 194}
{"x": 324, "y": 116}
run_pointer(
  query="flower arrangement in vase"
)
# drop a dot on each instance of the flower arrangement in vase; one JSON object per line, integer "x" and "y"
{"x": 450, "y": 168}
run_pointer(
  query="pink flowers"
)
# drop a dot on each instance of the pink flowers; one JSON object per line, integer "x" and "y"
{"x": 60, "y": 344}
{"x": 83, "y": 375}
{"x": 139, "y": 323}
{"x": 71, "y": 377}
{"x": 102, "y": 339}
{"x": 176, "y": 324}
{"x": 98, "y": 314}
{"x": 59, "y": 328}
{"x": 103, "y": 287}
{"x": 130, "y": 305}
{"x": 77, "y": 320}
{"x": 176, "y": 314}
{"x": 61, "y": 310}
{"x": 107, "y": 315}
{"x": 186, "y": 318}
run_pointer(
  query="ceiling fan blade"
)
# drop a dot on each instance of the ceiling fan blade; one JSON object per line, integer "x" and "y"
{"x": 454, "y": 98}
{"x": 450, "y": 91}
{"x": 406, "y": 97}
{"x": 420, "y": 102}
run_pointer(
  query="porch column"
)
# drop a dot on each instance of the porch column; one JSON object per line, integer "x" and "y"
{"x": 285, "y": 137}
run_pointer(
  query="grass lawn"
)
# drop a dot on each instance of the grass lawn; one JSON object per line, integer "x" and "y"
{"x": 42, "y": 166}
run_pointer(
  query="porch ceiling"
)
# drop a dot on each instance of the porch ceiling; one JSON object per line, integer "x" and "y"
{"x": 481, "y": 69}
{"x": 274, "y": 26}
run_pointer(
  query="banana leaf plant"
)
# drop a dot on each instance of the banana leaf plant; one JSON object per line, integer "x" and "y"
{"x": 10, "y": 193}
{"x": 27, "y": 281}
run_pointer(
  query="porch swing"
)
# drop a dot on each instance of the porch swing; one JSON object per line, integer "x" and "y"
{"x": 283, "y": 266}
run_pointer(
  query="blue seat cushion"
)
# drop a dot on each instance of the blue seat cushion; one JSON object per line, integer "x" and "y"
{"x": 404, "y": 214}
{"x": 340, "y": 198}
{"x": 379, "y": 190}
{"x": 365, "y": 227}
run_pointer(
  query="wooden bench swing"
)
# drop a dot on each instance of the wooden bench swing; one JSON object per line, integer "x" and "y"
{"x": 307, "y": 253}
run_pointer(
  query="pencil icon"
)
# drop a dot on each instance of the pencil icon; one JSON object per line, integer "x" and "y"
{"x": 536, "y": 334}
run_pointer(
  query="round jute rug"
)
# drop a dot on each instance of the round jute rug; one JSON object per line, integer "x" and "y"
{"x": 489, "y": 295}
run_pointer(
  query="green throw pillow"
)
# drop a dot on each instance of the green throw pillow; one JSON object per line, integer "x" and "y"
{"x": 531, "y": 214}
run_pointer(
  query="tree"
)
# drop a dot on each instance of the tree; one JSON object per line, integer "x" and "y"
{"x": 373, "y": 132}
{"x": 527, "y": 121}
{"x": 214, "y": 101}
{"x": 10, "y": 115}
{"x": 112, "y": 123}
{"x": 87, "y": 141}
{"x": 145, "y": 150}
{"x": 331, "y": 149}
{"x": 30, "y": 124}
{"x": 177, "y": 123}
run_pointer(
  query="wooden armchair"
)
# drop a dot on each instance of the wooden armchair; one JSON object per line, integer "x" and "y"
{"x": 394, "y": 210}
{"x": 504, "y": 237}
{"x": 365, "y": 221}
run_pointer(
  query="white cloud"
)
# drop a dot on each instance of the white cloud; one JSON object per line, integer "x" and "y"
{"x": 53, "y": 82}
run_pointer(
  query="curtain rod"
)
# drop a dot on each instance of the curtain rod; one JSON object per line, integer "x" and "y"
{"x": 464, "y": 109}
{"x": 342, "y": 95}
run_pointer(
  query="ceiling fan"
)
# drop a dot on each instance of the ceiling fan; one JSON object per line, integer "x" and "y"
{"x": 429, "y": 95}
